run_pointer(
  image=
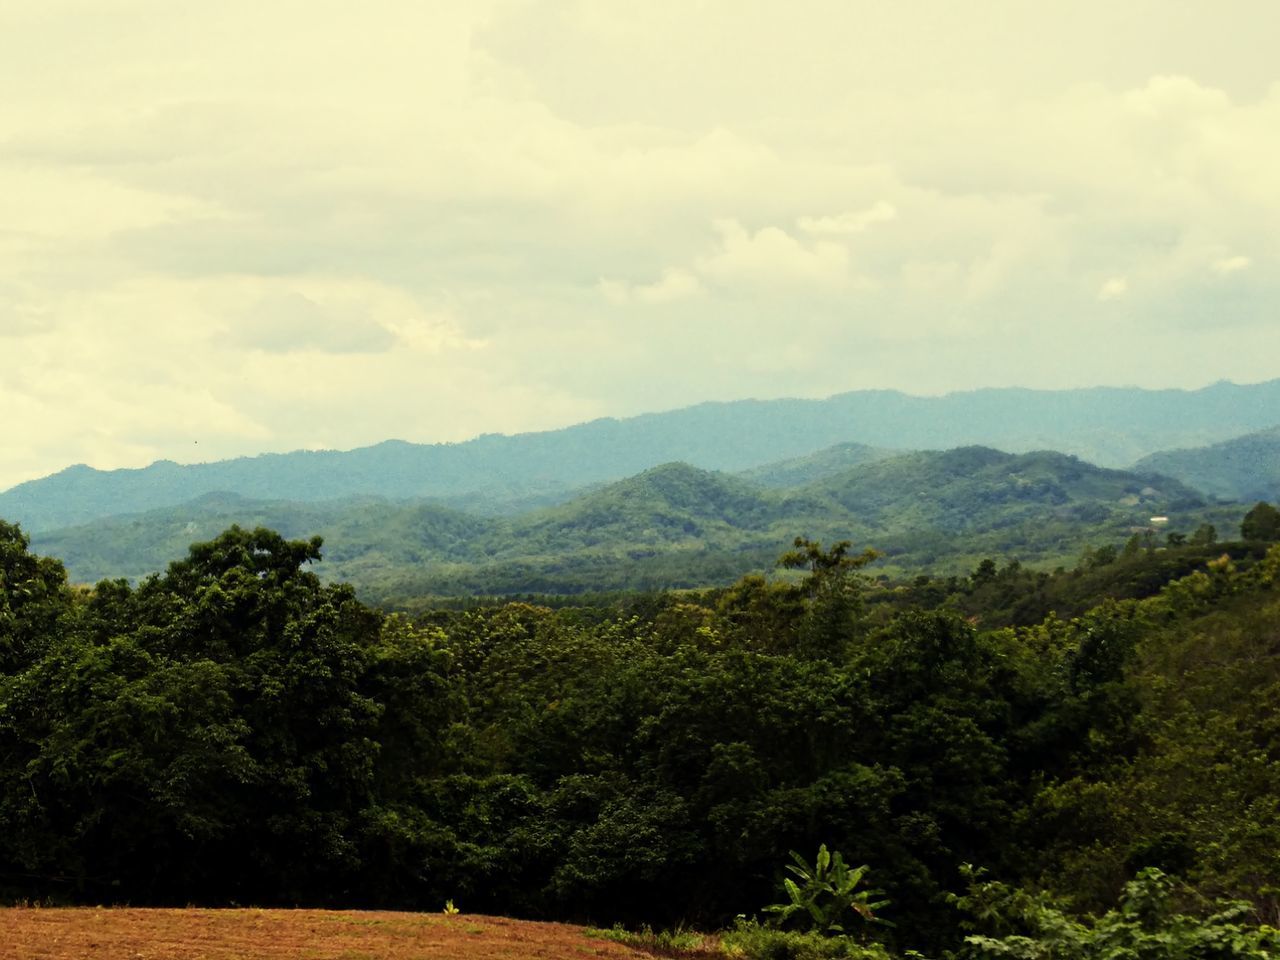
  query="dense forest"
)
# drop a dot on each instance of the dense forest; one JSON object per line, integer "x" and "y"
{"x": 1102, "y": 741}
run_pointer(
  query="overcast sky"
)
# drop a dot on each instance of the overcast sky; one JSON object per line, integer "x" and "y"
{"x": 236, "y": 227}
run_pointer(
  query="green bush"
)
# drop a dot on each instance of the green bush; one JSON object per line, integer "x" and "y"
{"x": 1144, "y": 926}
{"x": 758, "y": 942}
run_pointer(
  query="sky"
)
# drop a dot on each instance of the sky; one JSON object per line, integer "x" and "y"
{"x": 238, "y": 227}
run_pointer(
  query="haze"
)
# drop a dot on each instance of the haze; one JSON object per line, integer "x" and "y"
{"x": 237, "y": 227}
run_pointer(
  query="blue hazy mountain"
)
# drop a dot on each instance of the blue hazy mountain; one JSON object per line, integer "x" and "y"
{"x": 498, "y": 474}
{"x": 673, "y": 525}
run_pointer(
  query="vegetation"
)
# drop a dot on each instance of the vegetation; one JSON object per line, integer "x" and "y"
{"x": 235, "y": 730}
{"x": 827, "y": 891}
{"x": 678, "y": 527}
{"x": 1241, "y": 469}
{"x": 1261, "y": 523}
{"x": 1145, "y": 923}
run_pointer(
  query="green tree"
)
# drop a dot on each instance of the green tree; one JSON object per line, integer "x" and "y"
{"x": 1261, "y": 523}
{"x": 195, "y": 734}
{"x": 832, "y": 591}
{"x": 1206, "y": 534}
{"x": 35, "y": 602}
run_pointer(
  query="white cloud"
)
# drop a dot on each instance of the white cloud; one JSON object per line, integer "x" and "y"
{"x": 770, "y": 256}
{"x": 849, "y": 223}
{"x": 1114, "y": 288}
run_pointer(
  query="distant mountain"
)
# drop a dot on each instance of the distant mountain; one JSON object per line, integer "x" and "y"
{"x": 674, "y": 526}
{"x": 669, "y": 504}
{"x": 795, "y": 471}
{"x": 1244, "y": 469}
{"x": 974, "y": 488}
{"x": 361, "y": 533}
{"x": 499, "y": 474}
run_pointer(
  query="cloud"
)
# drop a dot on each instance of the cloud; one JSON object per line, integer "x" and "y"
{"x": 674, "y": 284}
{"x": 770, "y": 256}
{"x": 287, "y": 322}
{"x": 415, "y": 205}
{"x": 849, "y": 223}
{"x": 1228, "y": 265}
{"x": 1113, "y": 288}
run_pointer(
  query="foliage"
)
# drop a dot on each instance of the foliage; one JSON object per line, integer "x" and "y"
{"x": 1262, "y": 522}
{"x": 746, "y": 939}
{"x": 757, "y": 942}
{"x": 235, "y": 729}
{"x": 826, "y": 890}
{"x": 1144, "y": 924}
{"x": 676, "y": 942}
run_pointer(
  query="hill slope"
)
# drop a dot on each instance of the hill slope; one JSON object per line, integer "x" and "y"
{"x": 827, "y": 462}
{"x": 1111, "y": 426}
{"x": 674, "y": 526}
{"x": 1244, "y": 469}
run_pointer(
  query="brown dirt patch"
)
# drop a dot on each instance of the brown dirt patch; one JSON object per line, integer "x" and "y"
{"x": 136, "y": 934}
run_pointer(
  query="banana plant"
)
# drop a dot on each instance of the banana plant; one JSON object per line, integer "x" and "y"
{"x": 824, "y": 892}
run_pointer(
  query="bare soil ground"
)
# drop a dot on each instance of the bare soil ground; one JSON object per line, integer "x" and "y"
{"x": 137, "y": 934}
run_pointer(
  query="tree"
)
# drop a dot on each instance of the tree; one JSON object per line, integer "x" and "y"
{"x": 35, "y": 602}
{"x": 832, "y": 592}
{"x": 187, "y": 739}
{"x": 1261, "y": 523}
{"x": 1205, "y": 535}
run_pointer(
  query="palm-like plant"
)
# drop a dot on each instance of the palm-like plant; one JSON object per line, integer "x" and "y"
{"x": 824, "y": 892}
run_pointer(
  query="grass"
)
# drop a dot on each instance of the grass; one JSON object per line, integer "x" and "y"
{"x": 662, "y": 943}
{"x": 748, "y": 940}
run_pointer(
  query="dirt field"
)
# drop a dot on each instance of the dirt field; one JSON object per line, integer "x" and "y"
{"x": 132, "y": 934}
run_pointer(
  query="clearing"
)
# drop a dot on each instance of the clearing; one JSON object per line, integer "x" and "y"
{"x": 248, "y": 934}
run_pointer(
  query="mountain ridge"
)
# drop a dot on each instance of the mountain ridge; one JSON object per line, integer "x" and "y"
{"x": 674, "y": 525}
{"x": 497, "y": 473}
{"x": 1242, "y": 469}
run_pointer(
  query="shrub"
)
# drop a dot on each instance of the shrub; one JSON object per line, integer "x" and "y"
{"x": 755, "y": 941}
{"x": 825, "y": 891}
{"x": 1144, "y": 926}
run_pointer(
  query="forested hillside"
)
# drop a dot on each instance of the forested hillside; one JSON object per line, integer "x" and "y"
{"x": 234, "y": 730}
{"x": 499, "y": 474}
{"x": 676, "y": 526}
{"x": 1244, "y": 469}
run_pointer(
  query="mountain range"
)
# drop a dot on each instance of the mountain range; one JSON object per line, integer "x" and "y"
{"x": 701, "y": 495}
{"x": 676, "y": 525}
{"x": 504, "y": 475}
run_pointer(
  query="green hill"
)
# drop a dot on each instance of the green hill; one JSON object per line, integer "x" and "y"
{"x": 502, "y": 475}
{"x": 1245, "y": 469}
{"x": 677, "y": 526}
{"x": 361, "y": 534}
{"x": 795, "y": 471}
